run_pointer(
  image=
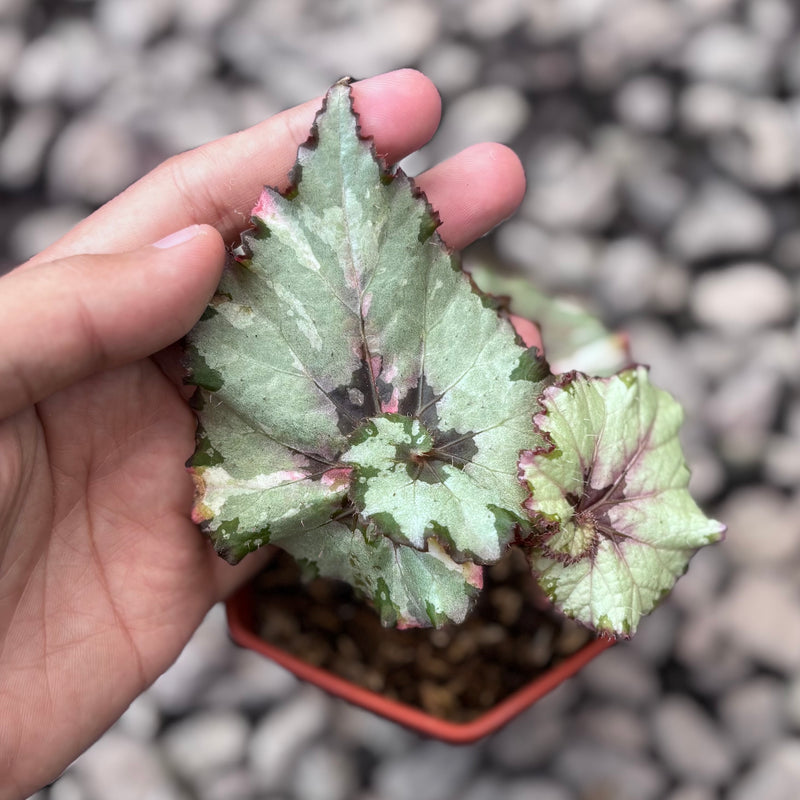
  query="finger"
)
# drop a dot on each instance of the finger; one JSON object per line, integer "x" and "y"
{"x": 69, "y": 318}
{"x": 218, "y": 183}
{"x": 474, "y": 191}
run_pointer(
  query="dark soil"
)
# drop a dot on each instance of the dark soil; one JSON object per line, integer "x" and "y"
{"x": 456, "y": 673}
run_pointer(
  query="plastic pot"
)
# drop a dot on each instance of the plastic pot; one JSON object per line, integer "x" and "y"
{"x": 241, "y": 621}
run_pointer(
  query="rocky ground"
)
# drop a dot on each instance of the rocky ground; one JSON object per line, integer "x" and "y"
{"x": 662, "y": 144}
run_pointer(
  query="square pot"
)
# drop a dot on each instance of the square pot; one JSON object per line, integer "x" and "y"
{"x": 243, "y": 624}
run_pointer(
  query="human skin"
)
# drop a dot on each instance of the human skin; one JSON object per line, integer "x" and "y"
{"x": 103, "y": 576}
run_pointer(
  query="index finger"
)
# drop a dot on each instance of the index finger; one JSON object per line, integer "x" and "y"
{"x": 218, "y": 183}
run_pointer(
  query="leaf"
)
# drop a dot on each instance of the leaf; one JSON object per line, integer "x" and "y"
{"x": 352, "y": 379}
{"x": 572, "y": 338}
{"x": 609, "y": 496}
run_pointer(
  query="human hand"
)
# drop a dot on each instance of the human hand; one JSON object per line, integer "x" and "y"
{"x": 103, "y": 576}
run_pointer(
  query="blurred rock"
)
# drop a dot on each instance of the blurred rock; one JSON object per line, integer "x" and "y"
{"x": 730, "y": 54}
{"x": 775, "y": 776}
{"x": 433, "y": 771}
{"x": 12, "y": 43}
{"x": 453, "y": 67}
{"x": 531, "y": 740}
{"x": 23, "y": 147}
{"x": 490, "y": 114}
{"x": 133, "y": 23}
{"x": 720, "y": 220}
{"x": 325, "y": 773}
{"x": 596, "y": 769}
{"x": 207, "y": 656}
{"x": 206, "y": 742}
{"x": 92, "y": 160}
{"x": 620, "y": 675}
{"x": 753, "y": 715}
{"x": 706, "y": 109}
{"x": 125, "y": 769}
{"x": 742, "y": 298}
{"x": 39, "y": 229}
{"x": 761, "y": 149}
{"x": 760, "y": 614}
{"x": 645, "y": 103}
{"x": 763, "y": 526}
{"x": 281, "y": 736}
{"x": 690, "y": 743}
{"x": 573, "y": 190}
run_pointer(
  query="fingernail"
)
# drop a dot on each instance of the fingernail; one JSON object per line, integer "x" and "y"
{"x": 179, "y": 237}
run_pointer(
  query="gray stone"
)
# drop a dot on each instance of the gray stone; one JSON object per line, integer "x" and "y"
{"x": 693, "y": 792}
{"x": 615, "y": 726}
{"x": 772, "y": 20}
{"x": 628, "y": 36}
{"x": 92, "y": 160}
{"x": 690, "y": 743}
{"x": 782, "y": 461}
{"x": 432, "y": 771}
{"x": 760, "y": 615}
{"x": 236, "y": 784}
{"x": 374, "y": 734}
{"x": 620, "y": 675}
{"x": 203, "y": 16}
{"x": 753, "y": 714}
{"x": 645, "y": 103}
{"x": 125, "y": 769}
{"x": 206, "y": 742}
{"x": 490, "y": 19}
{"x": 655, "y": 637}
{"x": 325, "y": 773}
{"x": 533, "y": 788}
{"x": 761, "y": 148}
{"x": 492, "y": 113}
{"x": 581, "y": 195}
{"x": 532, "y": 739}
{"x": 709, "y": 108}
{"x": 251, "y": 682}
{"x": 720, "y": 220}
{"x": 730, "y": 54}
{"x": 25, "y": 142}
{"x": 741, "y": 411}
{"x": 12, "y": 43}
{"x": 589, "y": 767}
{"x": 142, "y": 719}
{"x": 763, "y": 526}
{"x": 452, "y": 67}
{"x": 207, "y": 655}
{"x": 775, "y": 776}
{"x": 282, "y": 735}
{"x": 67, "y": 787}
{"x": 39, "y": 229}
{"x": 654, "y": 195}
{"x": 38, "y": 74}
{"x": 133, "y": 23}
{"x": 628, "y": 273}
{"x": 742, "y": 298}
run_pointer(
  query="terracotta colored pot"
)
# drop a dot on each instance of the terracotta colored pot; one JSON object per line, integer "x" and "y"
{"x": 241, "y": 621}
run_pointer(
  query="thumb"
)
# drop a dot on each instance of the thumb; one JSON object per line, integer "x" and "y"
{"x": 64, "y": 320}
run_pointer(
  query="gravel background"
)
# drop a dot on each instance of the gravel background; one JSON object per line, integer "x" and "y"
{"x": 662, "y": 144}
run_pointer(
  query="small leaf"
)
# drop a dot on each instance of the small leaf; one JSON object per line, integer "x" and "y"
{"x": 609, "y": 496}
{"x": 572, "y": 338}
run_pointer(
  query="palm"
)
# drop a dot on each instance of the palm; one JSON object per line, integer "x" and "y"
{"x": 118, "y": 568}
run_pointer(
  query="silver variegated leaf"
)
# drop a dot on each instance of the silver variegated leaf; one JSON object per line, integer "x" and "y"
{"x": 361, "y": 403}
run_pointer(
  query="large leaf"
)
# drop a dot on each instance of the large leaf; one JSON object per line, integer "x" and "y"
{"x": 616, "y": 523}
{"x": 361, "y": 403}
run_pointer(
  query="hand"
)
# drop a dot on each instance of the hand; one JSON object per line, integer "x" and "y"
{"x": 103, "y": 577}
